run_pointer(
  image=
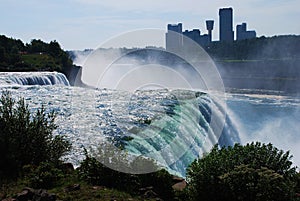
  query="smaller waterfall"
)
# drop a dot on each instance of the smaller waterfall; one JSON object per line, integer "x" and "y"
{"x": 33, "y": 78}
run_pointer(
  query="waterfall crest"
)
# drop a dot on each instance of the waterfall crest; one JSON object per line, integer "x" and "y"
{"x": 33, "y": 78}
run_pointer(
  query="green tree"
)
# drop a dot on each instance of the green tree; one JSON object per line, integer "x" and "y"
{"x": 37, "y": 46}
{"x": 3, "y": 56}
{"x": 25, "y": 138}
{"x": 54, "y": 48}
{"x": 252, "y": 172}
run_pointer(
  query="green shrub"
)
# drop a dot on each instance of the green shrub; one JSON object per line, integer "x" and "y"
{"x": 94, "y": 172}
{"x": 161, "y": 181}
{"x": 25, "y": 138}
{"x": 46, "y": 175}
{"x": 252, "y": 172}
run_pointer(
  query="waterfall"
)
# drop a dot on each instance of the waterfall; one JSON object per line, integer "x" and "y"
{"x": 187, "y": 131}
{"x": 33, "y": 78}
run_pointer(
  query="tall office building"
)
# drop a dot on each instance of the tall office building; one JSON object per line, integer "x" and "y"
{"x": 242, "y": 33}
{"x": 174, "y": 37}
{"x": 226, "y": 25}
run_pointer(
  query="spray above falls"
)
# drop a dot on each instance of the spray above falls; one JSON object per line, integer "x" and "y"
{"x": 150, "y": 69}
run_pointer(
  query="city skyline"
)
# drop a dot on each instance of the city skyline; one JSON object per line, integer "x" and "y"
{"x": 81, "y": 24}
{"x": 177, "y": 39}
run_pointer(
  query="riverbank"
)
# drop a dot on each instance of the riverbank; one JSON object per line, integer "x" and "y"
{"x": 72, "y": 186}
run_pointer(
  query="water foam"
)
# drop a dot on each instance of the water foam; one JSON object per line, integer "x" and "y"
{"x": 33, "y": 78}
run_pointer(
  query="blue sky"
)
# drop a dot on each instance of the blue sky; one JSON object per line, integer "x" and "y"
{"x": 80, "y": 24}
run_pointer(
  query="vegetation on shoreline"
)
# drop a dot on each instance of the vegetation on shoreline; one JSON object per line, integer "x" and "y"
{"x": 284, "y": 47}
{"x": 252, "y": 172}
{"x": 27, "y": 139}
{"x": 34, "y": 56}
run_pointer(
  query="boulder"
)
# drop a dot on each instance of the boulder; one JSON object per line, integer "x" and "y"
{"x": 177, "y": 179}
{"x": 179, "y": 183}
{"x": 43, "y": 195}
{"x": 26, "y": 194}
{"x": 29, "y": 194}
{"x": 179, "y": 186}
{"x": 150, "y": 194}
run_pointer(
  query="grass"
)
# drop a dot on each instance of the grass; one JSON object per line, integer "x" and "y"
{"x": 39, "y": 60}
{"x": 86, "y": 191}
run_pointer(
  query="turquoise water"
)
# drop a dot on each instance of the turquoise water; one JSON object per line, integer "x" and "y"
{"x": 173, "y": 127}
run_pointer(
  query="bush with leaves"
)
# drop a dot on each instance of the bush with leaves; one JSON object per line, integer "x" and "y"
{"x": 94, "y": 172}
{"x": 46, "y": 175}
{"x": 25, "y": 138}
{"x": 252, "y": 172}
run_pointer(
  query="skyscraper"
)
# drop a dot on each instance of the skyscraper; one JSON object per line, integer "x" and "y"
{"x": 174, "y": 37}
{"x": 242, "y": 33}
{"x": 226, "y": 25}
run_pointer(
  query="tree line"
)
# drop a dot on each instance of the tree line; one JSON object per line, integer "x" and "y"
{"x": 262, "y": 48}
{"x": 33, "y": 56}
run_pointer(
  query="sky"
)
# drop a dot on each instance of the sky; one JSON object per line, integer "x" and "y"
{"x": 84, "y": 24}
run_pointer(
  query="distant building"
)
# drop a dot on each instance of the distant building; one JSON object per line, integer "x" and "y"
{"x": 209, "y": 27}
{"x": 176, "y": 40}
{"x": 174, "y": 37}
{"x": 242, "y": 33}
{"x": 196, "y": 36}
{"x": 226, "y": 25}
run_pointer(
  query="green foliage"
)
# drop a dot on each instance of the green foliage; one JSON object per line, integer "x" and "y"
{"x": 276, "y": 47}
{"x": 94, "y": 172}
{"x": 246, "y": 183}
{"x": 37, "y": 55}
{"x": 252, "y": 172}
{"x": 161, "y": 181}
{"x": 46, "y": 175}
{"x": 27, "y": 138}
{"x": 90, "y": 169}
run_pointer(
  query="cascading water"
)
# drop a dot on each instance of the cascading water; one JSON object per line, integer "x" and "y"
{"x": 172, "y": 127}
{"x": 184, "y": 133}
{"x": 33, "y": 78}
